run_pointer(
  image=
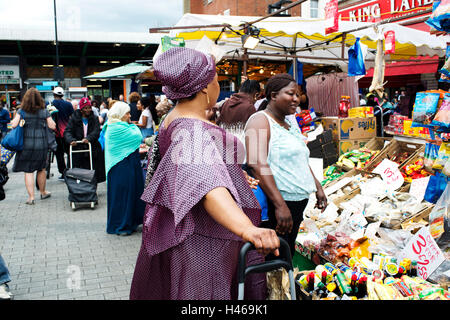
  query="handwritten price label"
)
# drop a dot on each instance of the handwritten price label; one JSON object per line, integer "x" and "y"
{"x": 388, "y": 170}
{"x": 425, "y": 251}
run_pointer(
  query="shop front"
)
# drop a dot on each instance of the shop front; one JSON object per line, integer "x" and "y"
{"x": 10, "y": 84}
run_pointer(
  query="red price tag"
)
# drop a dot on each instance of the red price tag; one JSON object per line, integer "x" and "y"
{"x": 425, "y": 251}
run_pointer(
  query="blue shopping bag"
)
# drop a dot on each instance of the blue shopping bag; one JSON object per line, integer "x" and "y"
{"x": 14, "y": 139}
{"x": 262, "y": 199}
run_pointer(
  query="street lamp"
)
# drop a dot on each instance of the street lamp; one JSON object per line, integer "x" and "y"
{"x": 58, "y": 72}
{"x": 251, "y": 37}
{"x": 277, "y": 6}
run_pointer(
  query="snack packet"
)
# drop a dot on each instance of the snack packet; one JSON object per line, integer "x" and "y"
{"x": 425, "y": 108}
{"x": 443, "y": 156}
{"x": 442, "y": 118}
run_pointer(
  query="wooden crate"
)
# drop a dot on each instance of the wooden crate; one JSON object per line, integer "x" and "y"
{"x": 423, "y": 214}
{"x": 394, "y": 147}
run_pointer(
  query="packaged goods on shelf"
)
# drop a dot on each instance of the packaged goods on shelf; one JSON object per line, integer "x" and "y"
{"x": 350, "y": 128}
{"x": 395, "y": 125}
{"x": 360, "y": 112}
{"x": 425, "y": 108}
{"x": 380, "y": 278}
{"x": 442, "y": 118}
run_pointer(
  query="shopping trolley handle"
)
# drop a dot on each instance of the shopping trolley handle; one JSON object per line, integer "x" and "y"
{"x": 284, "y": 260}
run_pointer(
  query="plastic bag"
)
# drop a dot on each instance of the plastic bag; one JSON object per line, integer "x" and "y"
{"x": 440, "y": 17}
{"x": 435, "y": 187}
{"x": 439, "y": 218}
{"x": 442, "y": 118}
{"x": 443, "y": 156}
{"x": 425, "y": 108}
{"x": 430, "y": 155}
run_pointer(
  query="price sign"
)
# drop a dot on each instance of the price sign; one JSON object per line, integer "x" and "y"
{"x": 425, "y": 251}
{"x": 418, "y": 188}
{"x": 388, "y": 170}
{"x": 331, "y": 17}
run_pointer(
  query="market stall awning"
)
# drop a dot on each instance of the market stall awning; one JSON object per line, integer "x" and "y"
{"x": 424, "y": 65}
{"x": 133, "y": 68}
{"x": 282, "y": 35}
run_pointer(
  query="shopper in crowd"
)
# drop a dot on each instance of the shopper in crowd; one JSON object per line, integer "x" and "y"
{"x": 125, "y": 181}
{"x": 5, "y": 293}
{"x": 152, "y": 108}
{"x": 134, "y": 110}
{"x": 240, "y": 106}
{"x": 145, "y": 123}
{"x": 33, "y": 157}
{"x": 371, "y": 102}
{"x": 303, "y": 97}
{"x": 65, "y": 110}
{"x": 163, "y": 108}
{"x": 278, "y": 157}
{"x": 362, "y": 101}
{"x": 95, "y": 107}
{"x": 191, "y": 242}
{"x": 103, "y": 116}
{"x": 5, "y": 118}
{"x": 84, "y": 126}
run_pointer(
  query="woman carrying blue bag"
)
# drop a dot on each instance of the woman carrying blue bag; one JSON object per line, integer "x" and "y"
{"x": 33, "y": 157}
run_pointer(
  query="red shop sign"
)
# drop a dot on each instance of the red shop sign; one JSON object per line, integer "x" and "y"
{"x": 372, "y": 11}
{"x": 331, "y": 17}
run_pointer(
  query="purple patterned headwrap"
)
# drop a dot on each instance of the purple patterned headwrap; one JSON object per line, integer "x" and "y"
{"x": 183, "y": 72}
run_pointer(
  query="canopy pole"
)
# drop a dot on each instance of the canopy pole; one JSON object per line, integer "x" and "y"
{"x": 294, "y": 59}
{"x": 344, "y": 35}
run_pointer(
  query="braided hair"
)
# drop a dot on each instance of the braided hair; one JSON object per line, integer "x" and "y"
{"x": 274, "y": 85}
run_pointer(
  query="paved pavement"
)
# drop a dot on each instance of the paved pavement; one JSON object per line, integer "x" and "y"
{"x": 56, "y": 253}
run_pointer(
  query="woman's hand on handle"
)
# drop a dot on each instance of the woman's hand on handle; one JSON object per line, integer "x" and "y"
{"x": 265, "y": 240}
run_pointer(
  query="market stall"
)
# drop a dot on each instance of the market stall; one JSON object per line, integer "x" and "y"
{"x": 280, "y": 40}
{"x": 385, "y": 234}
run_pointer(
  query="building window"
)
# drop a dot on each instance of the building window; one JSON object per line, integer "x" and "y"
{"x": 206, "y": 2}
{"x": 314, "y": 8}
{"x": 226, "y": 12}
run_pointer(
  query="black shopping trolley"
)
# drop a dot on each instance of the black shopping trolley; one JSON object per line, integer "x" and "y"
{"x": 284, "y": 260}
{"x": 81, "y": 183}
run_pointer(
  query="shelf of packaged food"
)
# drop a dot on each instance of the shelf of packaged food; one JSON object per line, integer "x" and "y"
{"x": 406, "y": 138}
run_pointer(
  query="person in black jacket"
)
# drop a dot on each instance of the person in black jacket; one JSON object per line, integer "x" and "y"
{"x": 84, "y": 126}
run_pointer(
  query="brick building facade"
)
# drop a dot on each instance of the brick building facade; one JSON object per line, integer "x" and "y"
{"x": 234, "y": 7}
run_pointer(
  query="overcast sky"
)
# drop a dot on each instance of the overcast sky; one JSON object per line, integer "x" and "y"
{"x": 92, "y": 15}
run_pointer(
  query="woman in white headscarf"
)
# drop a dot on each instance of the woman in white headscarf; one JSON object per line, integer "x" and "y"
{"x": 125, "y": 181}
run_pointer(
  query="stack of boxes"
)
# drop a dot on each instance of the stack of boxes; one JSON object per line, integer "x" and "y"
{"x": 350, "y": 133}
{"x": 324, "y": 147}
{"x": 305, "y": 120}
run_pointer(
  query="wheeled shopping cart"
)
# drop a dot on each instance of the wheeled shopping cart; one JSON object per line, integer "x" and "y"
{"x": 81, "y": 183}
{"x": 284, "y": 260}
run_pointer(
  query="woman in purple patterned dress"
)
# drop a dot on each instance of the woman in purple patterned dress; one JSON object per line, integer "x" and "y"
{"x": 200, "y": 207}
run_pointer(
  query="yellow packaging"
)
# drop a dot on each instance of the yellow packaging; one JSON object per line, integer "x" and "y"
{"x": 368, "y": 111}
{"x": 357, "y": 112}
{"x": 409, "y": 130}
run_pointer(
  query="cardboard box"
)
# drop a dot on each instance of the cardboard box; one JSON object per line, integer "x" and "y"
{"x": 349, "y": 145}
{"x": 351, "y": 128}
